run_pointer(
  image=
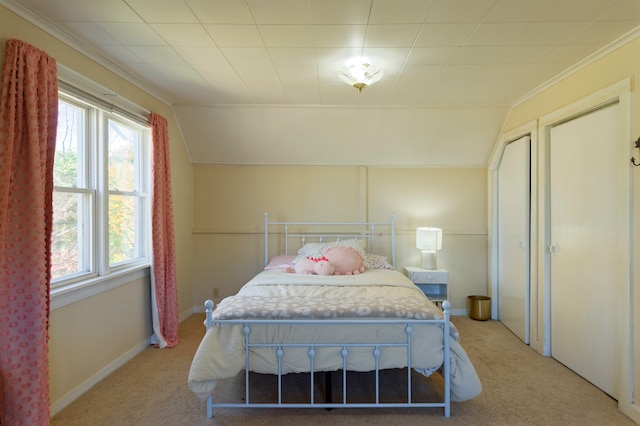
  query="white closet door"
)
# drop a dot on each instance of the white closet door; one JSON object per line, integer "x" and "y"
{"x": 584, "y": 178}
{"x": 513, "y": 237}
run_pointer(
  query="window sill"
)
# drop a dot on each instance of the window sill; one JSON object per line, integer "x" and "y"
{"x": 76, "y": 292}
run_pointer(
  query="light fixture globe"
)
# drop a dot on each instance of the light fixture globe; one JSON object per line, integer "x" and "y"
{"x": 360, "y": 73}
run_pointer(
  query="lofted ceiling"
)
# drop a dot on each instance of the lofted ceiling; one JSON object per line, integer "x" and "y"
{"x": 255, "y": 81}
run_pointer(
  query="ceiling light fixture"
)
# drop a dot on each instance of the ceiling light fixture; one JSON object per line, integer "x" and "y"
{"x": 359, "y": 73}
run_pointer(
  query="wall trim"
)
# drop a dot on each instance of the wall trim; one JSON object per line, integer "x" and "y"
{"x": 187, "y": 313}
{"x": 72, "y": 293}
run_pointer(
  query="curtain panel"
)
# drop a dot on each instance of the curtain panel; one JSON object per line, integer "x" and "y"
{"x": 164, "y": 291}
{"x": 28, "y": 122}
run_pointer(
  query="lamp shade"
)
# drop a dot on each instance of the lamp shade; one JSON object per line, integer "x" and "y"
{"x": 429, "y": 239}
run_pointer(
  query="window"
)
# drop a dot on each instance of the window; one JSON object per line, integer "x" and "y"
{"x": 101, "y": 193}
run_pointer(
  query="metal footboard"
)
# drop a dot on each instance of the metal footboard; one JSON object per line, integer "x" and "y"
{"x": 344, "y": 349}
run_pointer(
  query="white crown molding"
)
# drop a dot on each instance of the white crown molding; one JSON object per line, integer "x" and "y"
{"x": 61, "y": 35}
{"x": 611, "y": 47}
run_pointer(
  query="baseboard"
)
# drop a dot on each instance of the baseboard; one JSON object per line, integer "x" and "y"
{"x": 632, "y": 411}
{"x": 63, "y": 402}
{"x": 199, "y": 309}
{"x": 187, "y": 313}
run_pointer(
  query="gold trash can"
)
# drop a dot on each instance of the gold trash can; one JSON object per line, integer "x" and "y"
{"x": 480, "y": 307}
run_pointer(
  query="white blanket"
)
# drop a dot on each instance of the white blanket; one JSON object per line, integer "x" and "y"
{"x": 372, "y": 294}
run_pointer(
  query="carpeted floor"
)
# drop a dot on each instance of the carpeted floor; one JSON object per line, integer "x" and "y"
{"x": 521, "y": 387}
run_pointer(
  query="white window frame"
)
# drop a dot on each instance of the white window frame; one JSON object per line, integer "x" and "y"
{"x": 104, "y": 276}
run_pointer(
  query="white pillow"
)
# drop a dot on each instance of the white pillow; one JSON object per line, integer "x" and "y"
{"x": 376, "y": 261}
{"x": 317, "y": 250}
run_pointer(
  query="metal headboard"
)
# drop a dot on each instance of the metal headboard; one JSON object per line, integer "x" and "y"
{"x": 368, "y": 232}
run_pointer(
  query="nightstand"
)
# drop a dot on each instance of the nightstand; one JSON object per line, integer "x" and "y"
{"x": 434, "y": 283}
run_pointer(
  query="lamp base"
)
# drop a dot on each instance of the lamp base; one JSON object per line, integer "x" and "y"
{"x": 429, "y": 259}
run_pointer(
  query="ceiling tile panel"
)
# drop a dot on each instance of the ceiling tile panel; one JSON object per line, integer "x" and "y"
{"x": 264, "y": 75}
{"x": 161, "y": 11}
{"x": 588, "y": 10}
{"x": 462, "y": 72}
{"x": 287, "y": 35}
{"x": 218, "y": 76}
{"x": 235, "y": 35}
{"x": 294, "y": 56}
{"x": 597, "y": 32}
{"x": 221, "y": 11}
{"x": 184, "y": 34}
{"x": 387, "y": 57}
{"x": 339, "y": 35}
{"x": 523, "y": 54}
{"x": 519, "y": 10}
{"x": 113, "y": 11}
{"x": 459, "y": 10}
{"x": 431, "y": 55}
{"x": 550, "y": 33}
{"x": 496, "y": 34}
{"x": 130, "y": 34}
{"x": 280, "y": 12}
{"x": 242, "y": 56}
{"x": 477, "y": 54}
{"x": 91, "y": 33}
{"x": 623, "y": 10}
{"x": 298, "y": 74}
{"x": 203, "y": 55}
{"x": 120, "y": 55}
{"x": 454, "y": 34}
{"x": 567, "y": 55}
{"x": 399, "y": 11}
{"x": 392, "y": 35}
{"x": 157, "y": 54}
{"x": 339, "y": 11}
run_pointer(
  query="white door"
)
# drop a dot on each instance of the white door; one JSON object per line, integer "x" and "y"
{"x": 513, "y": 237}
{"x": 584, "y": 180}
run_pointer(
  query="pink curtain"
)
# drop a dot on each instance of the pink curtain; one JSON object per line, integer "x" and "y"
{"x": 164, "y": 292}
{"x": 28, "y": 121}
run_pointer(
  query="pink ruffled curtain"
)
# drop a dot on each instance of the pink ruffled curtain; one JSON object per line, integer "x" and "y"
{"x": 164, "y": 292}
{"x": 28, "y": 121}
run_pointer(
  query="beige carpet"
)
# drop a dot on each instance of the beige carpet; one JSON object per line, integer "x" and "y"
{"x": 520, "y": 388}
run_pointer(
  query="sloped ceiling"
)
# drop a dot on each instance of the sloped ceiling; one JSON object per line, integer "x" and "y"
{"x": 255, "y": 81}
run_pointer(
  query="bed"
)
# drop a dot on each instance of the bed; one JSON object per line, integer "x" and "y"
{"x": 285, "y": 323}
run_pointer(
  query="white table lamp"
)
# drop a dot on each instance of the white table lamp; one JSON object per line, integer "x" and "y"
{"x": 429, "y": 241}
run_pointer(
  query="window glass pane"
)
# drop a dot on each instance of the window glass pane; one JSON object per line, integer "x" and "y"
{"x": 122, "y": 228}
{"x": 69, "y": 140}
{"x": 100, "y": 167}
{"x": 123, "y": 146}
{"x": 66, "y": 236}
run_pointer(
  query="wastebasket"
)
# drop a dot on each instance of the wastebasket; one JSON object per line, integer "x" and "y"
{"x": 480, "y": 307}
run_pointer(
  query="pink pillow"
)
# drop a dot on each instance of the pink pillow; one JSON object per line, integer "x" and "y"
{"x": 281, "y": 261}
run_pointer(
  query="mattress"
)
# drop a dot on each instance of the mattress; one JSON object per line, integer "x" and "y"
{"x": 358, "y": 300}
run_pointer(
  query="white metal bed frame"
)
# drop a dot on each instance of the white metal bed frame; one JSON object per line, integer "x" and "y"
{"x": 343, "y": 348}
{"x": 368, "y": 233}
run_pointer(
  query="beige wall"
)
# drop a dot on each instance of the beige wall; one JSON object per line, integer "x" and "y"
{"x": 230, "y": 202}
{"x": 90, "y": 336}
{"x": 577, "y": 88}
